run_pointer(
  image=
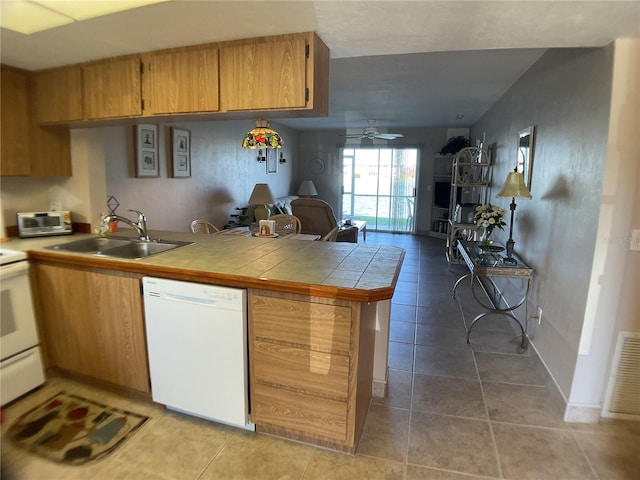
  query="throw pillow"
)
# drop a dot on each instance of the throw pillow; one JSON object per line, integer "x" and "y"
{"x": 277, "y": 209}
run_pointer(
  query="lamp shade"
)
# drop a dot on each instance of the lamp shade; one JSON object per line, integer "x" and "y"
{"x": 307, "y": 188}
{"x": 514, "y": 187}
{"x": 262, "y": 136}
{"x": 261, "y": 195}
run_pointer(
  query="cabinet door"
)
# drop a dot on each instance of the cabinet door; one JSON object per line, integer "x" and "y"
{"x": 182, "y": 82}
{"x": 301, "y": 366}
{"x": 112, "y": 89}
{"x": 265, "y": 74}
{"x": 92, "y": 323}
{"x": 15, "y": 126}
{"x": 50, "y": 152}
{"x": 56, "y": 95}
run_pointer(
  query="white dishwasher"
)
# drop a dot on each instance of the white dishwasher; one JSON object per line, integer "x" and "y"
{"x": 197, "y": 345}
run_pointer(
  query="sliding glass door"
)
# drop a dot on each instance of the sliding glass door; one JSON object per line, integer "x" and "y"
{"x": 379, "y": 186}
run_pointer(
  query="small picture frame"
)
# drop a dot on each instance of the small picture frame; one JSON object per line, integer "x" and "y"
{"x": 180, "y": 153}
{"x": 272, "y": 161}
{"x": 146, "y": 141}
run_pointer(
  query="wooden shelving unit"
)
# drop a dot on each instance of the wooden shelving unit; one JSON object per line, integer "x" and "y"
{"x": 440, "y": 187}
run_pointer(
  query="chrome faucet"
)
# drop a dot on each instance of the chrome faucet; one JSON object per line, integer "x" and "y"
{"x": 140, "y": 226}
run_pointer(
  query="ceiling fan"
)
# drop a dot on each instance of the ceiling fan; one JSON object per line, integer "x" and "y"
{"x": 371, "y": 133}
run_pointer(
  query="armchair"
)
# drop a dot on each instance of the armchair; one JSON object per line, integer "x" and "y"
{"x": 317, "y": 218}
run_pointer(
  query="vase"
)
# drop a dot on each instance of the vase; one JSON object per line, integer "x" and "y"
{"x": 484, "y": 238}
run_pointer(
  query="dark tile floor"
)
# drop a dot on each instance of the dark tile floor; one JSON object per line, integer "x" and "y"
{"x": 452, "y": 411}
{"x": 456, "y": 410}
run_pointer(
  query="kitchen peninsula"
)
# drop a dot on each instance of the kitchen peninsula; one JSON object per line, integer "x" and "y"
{"x": 318, "y": 321}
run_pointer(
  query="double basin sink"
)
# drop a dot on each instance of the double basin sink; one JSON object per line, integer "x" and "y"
{"x": 128, "y": 248}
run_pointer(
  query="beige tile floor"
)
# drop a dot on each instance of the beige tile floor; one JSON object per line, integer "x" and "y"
{"x": 452, "y": 412}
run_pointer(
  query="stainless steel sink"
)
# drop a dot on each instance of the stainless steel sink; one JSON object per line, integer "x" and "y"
{"x": 119, "y": 247}
{"x": 94, "y": 245}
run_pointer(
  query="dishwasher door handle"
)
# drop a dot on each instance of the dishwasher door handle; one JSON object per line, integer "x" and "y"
{"x": 169, "y": 297}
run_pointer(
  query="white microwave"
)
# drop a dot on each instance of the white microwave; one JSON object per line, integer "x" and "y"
{"x": 42, "y": 224}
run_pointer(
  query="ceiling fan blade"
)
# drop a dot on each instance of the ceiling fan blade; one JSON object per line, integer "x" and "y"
{"x": 354, "y": 135}
{"x": 389, "y": 136}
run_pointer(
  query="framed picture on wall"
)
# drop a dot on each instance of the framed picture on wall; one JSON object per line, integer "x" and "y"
{"x": 146, "y": 145}
{"x": 180, "y": 153}
{"x": 524, "y": 162}
{"x": 272, "y": 161}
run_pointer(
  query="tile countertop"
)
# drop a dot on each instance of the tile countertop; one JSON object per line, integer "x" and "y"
{"x": 348, "y": 271}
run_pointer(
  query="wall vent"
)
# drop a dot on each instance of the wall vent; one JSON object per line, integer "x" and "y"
{"x": 623, "y": 392}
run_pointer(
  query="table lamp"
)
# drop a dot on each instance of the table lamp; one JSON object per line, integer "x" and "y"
{"x": 261, "y": 196}
{"x": 307, "y": 189}
{"x": 513, "y": 187}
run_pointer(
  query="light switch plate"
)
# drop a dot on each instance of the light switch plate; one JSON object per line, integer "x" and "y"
{"x": 634, "y": 241}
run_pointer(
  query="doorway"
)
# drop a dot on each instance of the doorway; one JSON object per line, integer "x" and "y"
{"x": 379, "y": 186}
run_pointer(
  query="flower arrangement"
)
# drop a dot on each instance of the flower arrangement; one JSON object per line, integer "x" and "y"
{"x": 489, "y": 216}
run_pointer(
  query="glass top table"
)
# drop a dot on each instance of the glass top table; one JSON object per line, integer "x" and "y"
{"x": 491, "y": 260}
{"x": 486, "y": 262}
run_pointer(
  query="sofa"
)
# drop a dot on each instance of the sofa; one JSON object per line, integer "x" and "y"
{"x": 281, "y": 205}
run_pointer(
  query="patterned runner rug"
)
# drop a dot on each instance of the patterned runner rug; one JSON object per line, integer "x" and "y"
{"x": 74, "y": 430}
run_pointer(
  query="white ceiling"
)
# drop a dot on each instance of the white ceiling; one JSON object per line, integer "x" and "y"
{"x": 405, "y": 63}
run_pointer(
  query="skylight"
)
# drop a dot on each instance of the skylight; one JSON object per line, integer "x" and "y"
{"x": 32, "y": 16}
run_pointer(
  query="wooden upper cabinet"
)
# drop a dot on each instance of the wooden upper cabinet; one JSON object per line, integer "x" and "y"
{"x": 56, "y": 95}
{"x": 27, "y": 149}
{"x": 284, "y": 72}
{"x": 318, "y": 76}
{"x": 51, "y": 151}
{"x": 112, "y": 88}
{"x": 15, "y": 126}
{"x": 183, "y": 81}
{"x": 264, "y": 73}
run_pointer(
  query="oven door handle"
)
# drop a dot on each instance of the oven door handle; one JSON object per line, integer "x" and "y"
{"x": 18, "y": 357}
{"x": 13, "y": 270}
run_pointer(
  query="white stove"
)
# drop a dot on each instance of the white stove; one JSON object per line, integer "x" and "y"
{"x": 11, "y": 256}
{"x": 21, "y": 363}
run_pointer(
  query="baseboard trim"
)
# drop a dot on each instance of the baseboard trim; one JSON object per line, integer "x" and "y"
{"x": 379, "y": 387}
{"x": 550, "y": 382}
{"x": 573, "y": 412}
{"x": 582, "y": 413}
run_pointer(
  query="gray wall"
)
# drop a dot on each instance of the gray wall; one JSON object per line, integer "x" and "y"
{"x": 613, "y": 304}
{"x": 566, "y": 95}
{"x": 223, "y": 175}
{"x": 326, "y": 145}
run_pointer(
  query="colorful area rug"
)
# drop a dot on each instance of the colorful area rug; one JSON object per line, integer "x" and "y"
{"x": 73, "y": 430}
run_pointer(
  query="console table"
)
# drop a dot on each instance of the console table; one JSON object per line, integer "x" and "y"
{"x": 486, "y": 264}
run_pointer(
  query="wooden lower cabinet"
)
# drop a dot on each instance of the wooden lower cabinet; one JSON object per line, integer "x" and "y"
{"x": 311, "y": 365}
{"x": 92, "y": 323}
{"x": 312, "y": 416}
